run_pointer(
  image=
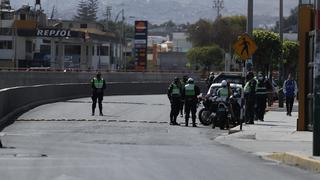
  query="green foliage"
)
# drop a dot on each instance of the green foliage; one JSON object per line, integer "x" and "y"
{"x": 206, "y": 56}
{"x": 224, "y": 31}
{"x": 290, "y": 56}
{"x": 87, "y": 11}
{"x": 201, "y": 33}
{"x": 227, "y": 29}
{"x": 289, "y": 22}
{"x": 269, "y": 50}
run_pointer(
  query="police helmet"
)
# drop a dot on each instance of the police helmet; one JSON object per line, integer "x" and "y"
{"x": 190, "y": 80}
{"x": 224, "y": 83}
{"x": 176, "y": 79}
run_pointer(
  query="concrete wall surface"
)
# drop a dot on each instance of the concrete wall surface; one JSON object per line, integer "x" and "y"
{"x": 13, "y": 79}
{"x": 17, "y": 100}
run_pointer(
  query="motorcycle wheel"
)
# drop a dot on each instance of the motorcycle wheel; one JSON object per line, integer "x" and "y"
{"x": 204, "y": 115}
{"x": 221, "y": 122}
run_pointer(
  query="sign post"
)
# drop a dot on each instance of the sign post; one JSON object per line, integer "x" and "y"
{"x": 245, "y": 47}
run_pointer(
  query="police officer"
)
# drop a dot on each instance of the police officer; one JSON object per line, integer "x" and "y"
{"x": 224, "y": 91}
{"x": 183, "y": 83}
{"x": 250, "y": 93}
{"x": 174, "y": 95}
{"x": 98, "y": 85}
{"x": 209, "y": 80}
{"x": 261, "y": 97}
{"x": 190, "y": 94}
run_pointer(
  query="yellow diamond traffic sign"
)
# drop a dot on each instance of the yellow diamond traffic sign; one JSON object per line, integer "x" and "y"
{"x": 245, "y": 47}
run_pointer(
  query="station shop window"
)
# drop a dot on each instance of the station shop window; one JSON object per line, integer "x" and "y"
{"x": 5, "y": 44}
{"x": 5, "y": 31}
{"x": 103, "y": 50}
{"x": 23, "y": 17}
{"x": 29, "y": 46}
{"x": 6, "y": 16}
{"x": 84, "y": 26}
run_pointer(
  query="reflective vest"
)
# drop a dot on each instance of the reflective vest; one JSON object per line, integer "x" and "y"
{"x": 261, "y": 88}
{"x": 175, "y": 90}
{"x": 223, "y": 92}
{"x": 98, "y": 83}
{"x": 190, "y": 90}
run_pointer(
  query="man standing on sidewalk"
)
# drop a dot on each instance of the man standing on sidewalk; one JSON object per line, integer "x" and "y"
{"x": 290, "y": 90}
{"x": 249, "y": 93}
{"x": 261, "y": 97}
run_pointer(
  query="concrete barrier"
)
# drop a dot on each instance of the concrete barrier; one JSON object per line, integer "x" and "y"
{"x": 13, "y": 79}
{"x": 17, "y": 100}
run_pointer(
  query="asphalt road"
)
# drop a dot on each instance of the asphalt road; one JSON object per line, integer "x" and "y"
{"x": 62, "y": 141}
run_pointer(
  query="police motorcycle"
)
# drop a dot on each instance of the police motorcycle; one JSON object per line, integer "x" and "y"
{"x": 211, "y": 103}
{"x": 208, "y": 112}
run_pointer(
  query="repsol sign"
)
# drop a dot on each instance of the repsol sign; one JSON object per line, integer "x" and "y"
{"x": 53, "y": 33}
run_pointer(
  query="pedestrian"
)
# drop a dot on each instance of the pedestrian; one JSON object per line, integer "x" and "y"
{"x": 98, "y": 85}
{"x": 261, "y": 97}
{"x": 290, "y": 91}
{"x": 174, "y": 95}
{"x": 209, "y": 80}
{"x": 183, "y": 83}
{"x": 190, "y": 94}
{"x": 249, "y": 94}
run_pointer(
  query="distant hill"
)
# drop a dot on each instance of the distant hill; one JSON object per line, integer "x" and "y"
{"x": 180, "y": 11}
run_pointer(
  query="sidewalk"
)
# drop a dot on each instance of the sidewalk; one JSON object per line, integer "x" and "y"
{"x": 276, "y": 139}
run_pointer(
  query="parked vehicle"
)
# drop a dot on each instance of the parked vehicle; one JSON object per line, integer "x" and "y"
{"x": 231, "y": 77}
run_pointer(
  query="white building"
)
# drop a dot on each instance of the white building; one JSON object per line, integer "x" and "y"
{"x": 28, "y": 39}
{"x": 180, "y": 42}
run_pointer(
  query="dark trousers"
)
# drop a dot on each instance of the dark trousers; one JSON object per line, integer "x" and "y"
{"x": 249, "y": 112}
{"x": 190, "y": 106}
{"x": 95, "y": 97}
{"x": 181, "y": 107}
{"x": 289, "y": 103}
{"x": 261, "y": 101}
{"x": 175, "y": 108}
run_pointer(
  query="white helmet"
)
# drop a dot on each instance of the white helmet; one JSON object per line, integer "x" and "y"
{"x": 190, "y": 80}
{"x": 224, "y": 83}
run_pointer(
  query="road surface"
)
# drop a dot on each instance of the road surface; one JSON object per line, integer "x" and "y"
{"x": 62, "y": 141}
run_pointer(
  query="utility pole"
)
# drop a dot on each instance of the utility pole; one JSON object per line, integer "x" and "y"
{"x": 250, "y": 17}
{"x": 218, "y": 5}
{"x": 281, "y": 75}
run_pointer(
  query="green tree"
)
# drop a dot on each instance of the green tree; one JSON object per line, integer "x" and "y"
{"x": 93, "y": 6}
{"x": 206, "y": 57}
{"x": 290, "y": 56}
{"x": 223, "y": 32}
{"x": 289, "y": 23}
{"x": 201, "y": 33}
{"x": 87, "y": 11}
{"x": 227, "y": 29}
{"x": 269, "y": 50}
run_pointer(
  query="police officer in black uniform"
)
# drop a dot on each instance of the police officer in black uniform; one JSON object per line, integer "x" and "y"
{"x": 261, "y": 97}
{"x": 250, "y": 93}
{"x": 174, "y": 95}
{"x": 98, "y": 85}
{"x": 190, "y": 94}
